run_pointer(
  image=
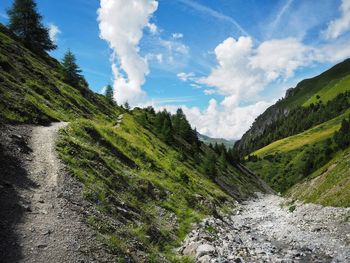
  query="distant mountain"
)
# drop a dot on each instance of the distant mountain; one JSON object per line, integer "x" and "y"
{"x": 299, "y": 102}
{"x": 208, "y": 140}
{"x": 294, "y": 145}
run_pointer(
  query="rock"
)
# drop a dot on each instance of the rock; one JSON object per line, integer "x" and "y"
{"x": 190, "y": 249}
{"x": 204, "y": 249}
{"x": 238, "y": 260}
{"x": 204, "y": 259}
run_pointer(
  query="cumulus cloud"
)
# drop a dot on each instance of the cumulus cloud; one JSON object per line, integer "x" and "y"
{"x": 54, "y": 31}
{"x": 218, "y": 121}
{"x": 123, "y": 35}
{"x": 340, "y": 25}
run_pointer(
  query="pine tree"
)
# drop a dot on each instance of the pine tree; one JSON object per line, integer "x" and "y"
{"x": 25, "y": 22}
{"x": 71, "y": 71}
{"x": 109, "y": 93}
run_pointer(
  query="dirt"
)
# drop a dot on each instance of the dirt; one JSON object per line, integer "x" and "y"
{"x": 43, "y": 214}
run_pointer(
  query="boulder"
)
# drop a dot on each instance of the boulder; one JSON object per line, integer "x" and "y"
{"x": 204, "y": 249}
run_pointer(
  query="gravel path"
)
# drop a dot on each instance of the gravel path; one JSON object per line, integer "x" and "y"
{"x": 265, "y": 230}
{"x": 44, "y": 218}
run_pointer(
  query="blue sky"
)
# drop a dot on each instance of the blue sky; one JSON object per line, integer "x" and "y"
{"x": 222, "y": 61}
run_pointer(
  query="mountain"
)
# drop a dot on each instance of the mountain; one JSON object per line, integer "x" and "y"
{"x": 293, "y": 144}
{"x": 322, "y": 91}
{"x": 144, "y": 183}
{"x": 208, "y": 140}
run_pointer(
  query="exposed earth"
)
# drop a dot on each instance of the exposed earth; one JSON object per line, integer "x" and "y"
{"x": 42, "y": 210}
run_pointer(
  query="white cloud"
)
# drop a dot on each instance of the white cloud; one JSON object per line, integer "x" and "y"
{"x": 281, "y": 57}
{"x": 54, "y": 31}
{"x": 185, "y": 76}
{"x": 177, "y": 35}
{"x": 209, "y": 91}
{"x": 152, "y": 28}
{"x": 221, "y": 122}
{"x": 123, "y": 32}
{"x": 340, "y": 25}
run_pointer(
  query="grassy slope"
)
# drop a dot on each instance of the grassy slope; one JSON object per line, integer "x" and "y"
{"x": 32, "y": 90}
{"x": 146, "y": 192}
{"x": 329, "y": 185}
{"x": 330, "y": 91}
{"x": 148, "y": 182}
{"x": 281, "y": 163}
{"x": 329, "y": 84}
{"x": 311, "y": 136}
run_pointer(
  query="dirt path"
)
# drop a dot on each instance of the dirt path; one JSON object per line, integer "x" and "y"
{"x": 48, "y": 222}
{"x": 263, "y": 230}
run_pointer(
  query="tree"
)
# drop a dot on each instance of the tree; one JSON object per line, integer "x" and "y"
{"x": 25, "y": 22}
{"x": 209, "y": 164}
{"x": 127, "y": 106}
{"x": 71, "y": 71}
{"x": 109, "y": 93}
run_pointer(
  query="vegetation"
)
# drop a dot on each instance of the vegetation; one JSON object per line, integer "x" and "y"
{"x": 71, "y": 71}
{"x": 300, "y": 119}
{"x": 25, "y": 22}
{"x": 142, "y": 170}
{"x": 109, "y": 93}
{"x": 291, "y": 160}
{"x": 318, "y": 95}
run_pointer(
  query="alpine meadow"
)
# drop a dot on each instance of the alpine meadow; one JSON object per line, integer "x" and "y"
{"x": 174, "y": 131}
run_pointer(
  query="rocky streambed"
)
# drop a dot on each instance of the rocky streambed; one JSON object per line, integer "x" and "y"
{"x": 272, "y": 229}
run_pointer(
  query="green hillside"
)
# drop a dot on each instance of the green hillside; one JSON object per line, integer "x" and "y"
{"x": 285, "y": 163}
{"x": 32, "y": 89}
{"x": 326, "y": 95}
{"x": 146, "y": 179}
{"x": 329, "y": 185}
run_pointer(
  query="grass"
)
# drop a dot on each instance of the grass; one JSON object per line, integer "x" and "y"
{"x": 318, "y": 133}
{"x": 137, "y": 180}
{"x": 330, "y": 91}
{"x": 32, "y": 90}
{"x": 329, "y": 185}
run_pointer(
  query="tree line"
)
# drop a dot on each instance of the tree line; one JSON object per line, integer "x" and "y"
{"x": 298, "y": 120}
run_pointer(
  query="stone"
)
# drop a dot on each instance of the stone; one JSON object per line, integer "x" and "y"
{"x": 190, "y": 249}
{"x": 204, "y": 249}
{"x": 204, "y": 259}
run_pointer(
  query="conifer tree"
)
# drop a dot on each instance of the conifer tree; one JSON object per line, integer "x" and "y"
{"x": 25, "y": 22}
{"x": 109, "y": 93}
{"x": 71, "y": 71}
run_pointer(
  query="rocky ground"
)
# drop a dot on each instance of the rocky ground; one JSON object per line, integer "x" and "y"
{"x": 43, "y": 213}
{"x": 269, "y": 229}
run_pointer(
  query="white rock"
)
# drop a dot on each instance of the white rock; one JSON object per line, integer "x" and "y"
{"x": 204, "y": 259}
{"x": 204, "y": 249}
{"x": 190, "y": 249}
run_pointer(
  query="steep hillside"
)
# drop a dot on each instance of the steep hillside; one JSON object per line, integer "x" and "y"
{"x": 147, "y": 187}
{"x": 307, "y": 166}
{"x": 32, "y": 90}
{"x": 315, "y": 95}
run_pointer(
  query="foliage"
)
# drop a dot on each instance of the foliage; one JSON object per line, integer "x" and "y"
{"x": 25, "y": 22}
{"x": 342, "y": 137}
{"x": 109, "y": 93}
{"x": 298, "y": 120}
{"x": 289, "y": 161}
{"x": 71, "y": 71}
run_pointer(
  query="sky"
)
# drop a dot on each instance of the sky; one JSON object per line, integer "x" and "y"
{"x": 223, "y": 62}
